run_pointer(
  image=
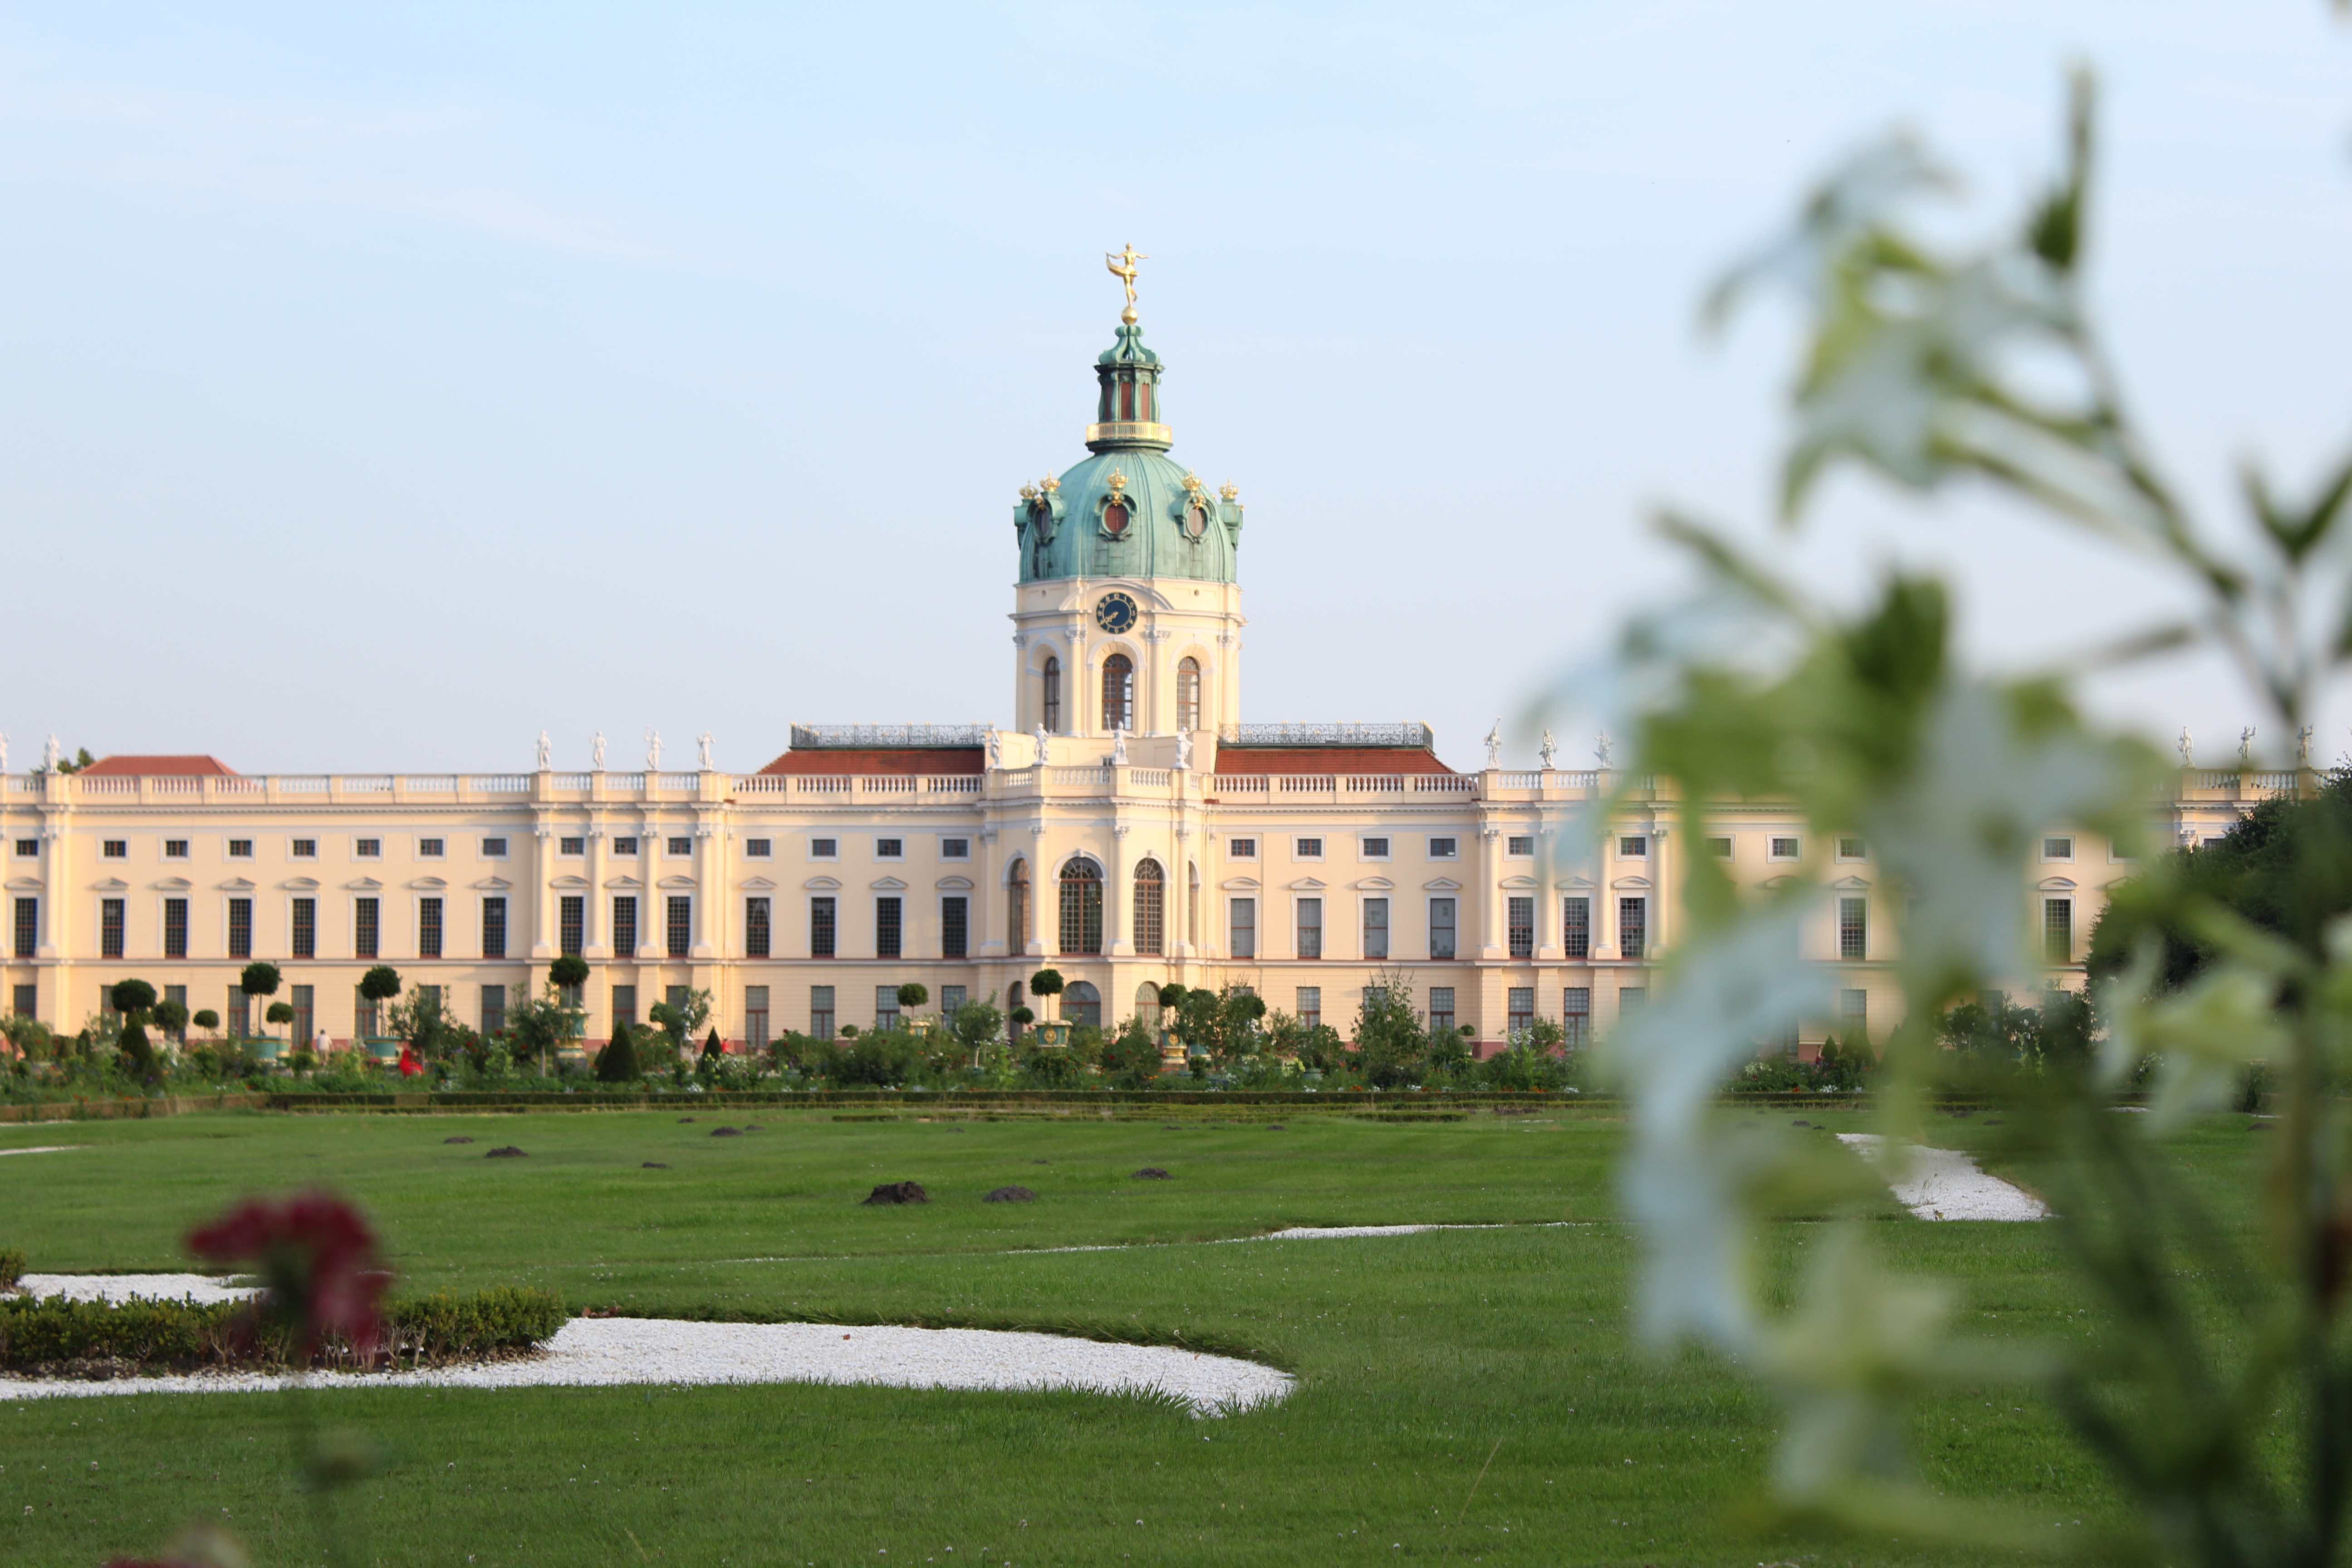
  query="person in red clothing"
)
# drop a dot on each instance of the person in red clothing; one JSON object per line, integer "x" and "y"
{"x": 409, "y": 1066}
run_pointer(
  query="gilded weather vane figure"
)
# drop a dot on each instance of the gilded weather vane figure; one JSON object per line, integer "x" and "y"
{"x": 1121, "y": 263}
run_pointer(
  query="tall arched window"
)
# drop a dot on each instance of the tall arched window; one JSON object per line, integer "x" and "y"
{"x": 1016, "y": 909}
{"x": 1053, "y": 693}
{"x": 1188, "y": 694}
{"x": 1082, "y": 1007}
{"x": 1082, "y": 892}
{"x": 1150, "y": 902}
{"x": 1118, "y": 692}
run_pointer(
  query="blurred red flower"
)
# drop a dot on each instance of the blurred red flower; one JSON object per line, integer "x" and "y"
{"x": 318, "y": 1265}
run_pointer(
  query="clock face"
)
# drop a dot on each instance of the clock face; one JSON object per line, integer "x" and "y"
{"x": 1114, "y": 613}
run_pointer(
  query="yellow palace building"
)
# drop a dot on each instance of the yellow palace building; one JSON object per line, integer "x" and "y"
{"x": 1125, "y": 827}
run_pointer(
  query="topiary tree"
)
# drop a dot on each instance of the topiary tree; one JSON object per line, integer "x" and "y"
{"x": 377, "y": 986}
{"x": 1045, "y": 983}
{"x": 279, "y": 1012}
{"x": 258, "y": 979}
{"x": 170, "y": 1017}
{"x": 713, "y": 1049}
{"x": 205, "y": 1019}
{"x": 131, "y": 998}
{"x": 617, "y": 1062}
{"x": 976, "y": 1024}
{"x": 913, "y": 995}
{"x": 568, "y": 970}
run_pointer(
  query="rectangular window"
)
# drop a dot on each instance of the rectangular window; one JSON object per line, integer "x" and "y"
{"x": 1376, "y": 927}
{"x": 428, "y": 928}
{"x": 494, "y": 848}
{"x": 29, "y": 846}
{"x": 306, "y": 1015}
{"x": 756, "y": 935}
{"x": 1441, "y": 927}
{"x": 1576, "y": 928}
{"x": 240, "y": 928}
{"x": 1310, "y": 1006}
{"x": 2058, "y": 849}
{"x": 2058, "y": 930}
{"x": 1440, "y": 1010}
{"x": 305, "y": 914}
{"x": 1241, "y": 848}
{"x": 955, "y": 849}
{"x": 1853, "y": 1009}
{"x": 574, "y": 848}
{"x": 1445, "y": 849}
{"x": 28, "y": 928}
{"x": 1576, "y": 1013}
{"x": 821, "y": 928}
{"x": 368, "y": 848}
{"x": 572, "y": 924}
{"x": 240, "y": 848}
{"x": 625, "y": 847}
{"x": 759, "y": 849}
{"x": 1242, "y": 929}
{"x": 1786, "y": 848}
{"x": 493, "y": 1009}
{"x": 624, "y": 1006}
{"x": 494, "y": 926}
{"x": 1376, "y": 849}
{"x": 1853, "y": 928}
{"x": 821, "y": 1012}
{"x": 1520, "y": 1010}
{"x": 1632, "y": 999}
{"x": 1310, "y": 928}
{"x": 951, "y": 999}
{"x": 367, "y": 928}
{"x": 115, "y": 848}
{"x": 678, "y": 848}
{"x": 1521, "y": 911}
{"x": 681, "y": 926}
{"x": 1633, "y": 846}
{"x": 175, "y": 928}
{"x": 110, "y": 927}
{"x": 890, "y": 929}
{"x": 25, "y": 1001}
{"x": 886, "y": 1008}
{"x": 1306, "y": 849}
{"x": 755, "y": 1017}
{"x": 1519, "y": 843}
{"x": 889, "y": 849}
{"x": 178, "y": 993}
{"x": 175, "y": 849}
{"x": 823, "y": 849}
{"x": 239, "y": 1013}
{"x": 429, "y": 849}
{"x": 1633, "y": 929}
{"x": 955, "y": 926}
{"x": 1719, "y": 848}
{"x": 625, "y": 925}
{"x": 1852, "y": 849}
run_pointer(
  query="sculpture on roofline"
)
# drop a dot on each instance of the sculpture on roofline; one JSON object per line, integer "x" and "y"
{"x": 49, "y": 755}
{"x": 1548, "y": 754}
{"x": 2246, "y": 744}
{"x": 1042, "y": 738}
{"x": 4, "y": 754}
{"x": 653, "y": 750}
{"x": 1119, "y": 747}
{"x": 1184, "y": 750}
{"x": 546, "y": 752}
{"x": 702, "y": 751}
{"x": 1605, "y": 750}
{"x": 1495, "y": 746}
{"x": 995, "y": 748}
{"x": 597, "y": 751}
{"x": 2188, "y": 751}
{"x": 2302, "y": 750}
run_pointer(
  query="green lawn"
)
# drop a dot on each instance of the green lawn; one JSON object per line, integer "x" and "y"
{"x": 1417, "y": 1356}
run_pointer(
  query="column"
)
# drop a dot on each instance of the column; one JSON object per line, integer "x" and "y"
{"x": 1548, "y": 942}
{"x": 544, "y": 929}
{"x": 986, "y": 925}
{"x": 711, "y": 893}
{"x": 1043, "y": 890}
{"x": 592, "y": 942}
{"x": 1118, "y": 936}
{"x": 1490, "y": 892}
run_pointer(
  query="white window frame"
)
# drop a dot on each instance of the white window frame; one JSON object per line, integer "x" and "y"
{"x": 948, "y": 841}
{"x": 1731, "y": 845}
{"x": 1528, "y": 838}
{"x": 572, "y": 846}
{"x": 1861, "y": 850}
{"x": 892, "y": 848}
{"x": 495, "y": 845}
{"x": 1387, "y": 850}
{"x": 1453, "y": 851}
{"x": 2066, "y": 859}
{"x": 670, "y": 842}
{"x": 178, "y": 853}
{"x": 1773, "y": 852}
{"x": 1633, "y": 847}
{"x": 759, "y": 849}
{"x": 361, "y": 850}
{"x": 1300, "y": 850}
{"x": 434, "y": 848}
{"x": 825, "y": 848}
{"x": 1242, "y": 847}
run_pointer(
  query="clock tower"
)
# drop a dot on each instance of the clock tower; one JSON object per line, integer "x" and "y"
{"x": 1127, "y": 612}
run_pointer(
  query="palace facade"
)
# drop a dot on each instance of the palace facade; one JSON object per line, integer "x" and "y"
{"x": 1127, "y": 828}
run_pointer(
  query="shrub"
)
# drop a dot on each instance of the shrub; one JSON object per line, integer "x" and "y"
{"x": 12, "y": 1267}
{"x": 617, "y": 1062}
{"x": 570, "y": 969}
{"x": 279, "y": 1013}
{"x": 57, "y": 1334}
{"x": 1023, "y": 1016}
{"x": 913, "y": 995}
{"x": 381, "y": 984}
{"x": 132, "y": 997}
{"x": 170, "y": 1017}
{"x": 138, "y": 1056}
{"x": 260, "y": 979}
{"x": 205, "y": 1018}
{"x": 713, "y": 1051}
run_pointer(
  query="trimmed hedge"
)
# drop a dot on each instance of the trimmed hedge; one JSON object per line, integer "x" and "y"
{"x": 57, "y": 1334}
{"x": 12, "y": 1267}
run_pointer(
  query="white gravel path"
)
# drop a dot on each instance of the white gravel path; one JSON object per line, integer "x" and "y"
{"x": 603, "y": 1352}
{"x": 46, "y": 1148}
{"x": 203, "y": 1288}
{"x": 1945, "y": 1183}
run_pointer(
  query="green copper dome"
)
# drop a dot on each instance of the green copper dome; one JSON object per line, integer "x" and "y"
{"x": 1129, "y": 510}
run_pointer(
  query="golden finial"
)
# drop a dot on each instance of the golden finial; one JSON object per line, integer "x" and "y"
{"x": 1117, "y": 481}
{"x": 1121, "y": 263}
{"x": 1232, "y": 491}
{"x": 1048, "y": 485}
{"x": 1192, "y": 484}
{"x": 1028, "y": 492}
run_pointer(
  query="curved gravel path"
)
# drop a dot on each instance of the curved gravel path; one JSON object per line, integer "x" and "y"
{"x": 590, "y": 1352}
{"x": 200, "y": 1288}
{"x": 1945, "y": 1183}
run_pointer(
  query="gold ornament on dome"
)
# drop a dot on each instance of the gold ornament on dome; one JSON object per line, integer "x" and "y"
{"x": 1232, "y": 491}
{"x": 1049, "y": 484}
{"x": 1118, "y": 482}
{"x": 1028, "y": 492}
{"x": 1192, "y": 486}
{"x": 1121, "y": 263}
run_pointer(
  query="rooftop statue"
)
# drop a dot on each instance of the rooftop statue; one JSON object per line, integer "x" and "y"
{"x": 1121, "y": 263}
{"x": 653, "y": 750}
{"x": 546, "y": 752}
{"x": 597, "y": 751}
{"x": 702, "y": 752}
{"x": 1495, "y": 746}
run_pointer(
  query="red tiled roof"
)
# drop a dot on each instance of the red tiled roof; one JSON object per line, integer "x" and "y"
{"x": 1329, "y": 760}
{"x": 160, "y": 767}
{"x": 902, "y": 762}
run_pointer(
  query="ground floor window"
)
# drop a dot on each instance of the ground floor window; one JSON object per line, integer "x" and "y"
{"x": 821, "y": 1012}
{"x": 1082, "y": 1006}
{"x": 25, "y": 1000}
{"x": 755, "y": 1016}
{"x": 1519, "y": 1012}
{"x": 1633, "y": 928}
{"x": 681, "y": 927}
{"x": 886, "y": 1007}
{"x": 1310, "y": 1006}
{"x": 170, "y": 994}
{"x": 624, "y": 1006}
{"x": 493, "y": 1009}
{"x": 1522, "y": 923}
{"x": 1244, "y": 929}
{"x": 1632, "y": 999}
{"x": 1440, "y": 1010}
{"x": 1853, "y": 1010}
{"x": 572, "y": 924}
{"x": 240, "y": 1014}
{"x": 951, "y": 997}
{"x": 1576, "y": 1013}
{"x": 306, "y": 1014}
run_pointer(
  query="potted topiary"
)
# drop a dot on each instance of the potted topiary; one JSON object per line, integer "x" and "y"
{"x": 568, "y": 975}
{"x": 1053, "y": 1034}
{"x": 377, "y": 986}
{"x": 258, "y": 979}
{"x": 914, "y": 994}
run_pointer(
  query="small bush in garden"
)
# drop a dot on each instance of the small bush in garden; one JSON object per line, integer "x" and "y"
{"x": 12, "y": 1267}
{"x": 617, "y": 1062}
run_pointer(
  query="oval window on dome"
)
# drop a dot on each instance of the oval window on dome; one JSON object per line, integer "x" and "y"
{"x": 1115, "y": 517}
{"x": 1196, "y": 521}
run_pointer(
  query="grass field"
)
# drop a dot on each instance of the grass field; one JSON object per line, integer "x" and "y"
{"x": 1421, "y": 1359}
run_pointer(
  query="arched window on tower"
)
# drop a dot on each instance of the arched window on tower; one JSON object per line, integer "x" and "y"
{"x": 1016, "y": 909}
{"x": 1188, "y": 694}
{"x": 1053, "y": 696}
{"x": 1082, "y": 905}
{"x": 1118, "y": 692}
{"x": 1151, "y": 907}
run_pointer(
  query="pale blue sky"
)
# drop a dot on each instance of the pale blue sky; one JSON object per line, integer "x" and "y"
{"x": 376, "y": 391}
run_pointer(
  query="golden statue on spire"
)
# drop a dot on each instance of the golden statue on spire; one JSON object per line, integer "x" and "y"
{"x": 1121, "y": 263}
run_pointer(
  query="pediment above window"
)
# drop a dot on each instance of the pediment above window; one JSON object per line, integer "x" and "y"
{"x": 1308, "y": 885}
{"x": 1851, "y": 885}
{"x": 236, "y": 885}
{"x": 676, "y": 884}
{"x": 955, "y": 884}
{"x": 822, "y": 884}
{"x": 1776, "y": 883}
{"x": 2057, "y": 884}
{"x": 300, "y": 884}
{"x": 1636, "y": 884}
{"x": 568, "y": 881}
{"x": 1375, "y": 884}
{"x": 1577, "y": 884}
{"x": 172, "y": 885}
{"x": 429, "y": 884}
{"x": 1239, "y": 884}
{"x": 1519, "y": 884}
{"x": 23, "y": 884}
{"x": 493, "y": 885}
{"x": 112, "y": 885}
{"x": 370, "y": 885}
{"x": 1443, "y": 885}
{"x": 756, "y": 884}
{"x": 631, "y": 883}
{"x": 887, "y": 885}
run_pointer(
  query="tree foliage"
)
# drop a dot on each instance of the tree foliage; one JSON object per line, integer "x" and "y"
{"x": 617, "y": 1062}
{"x": 258, "y": 979}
